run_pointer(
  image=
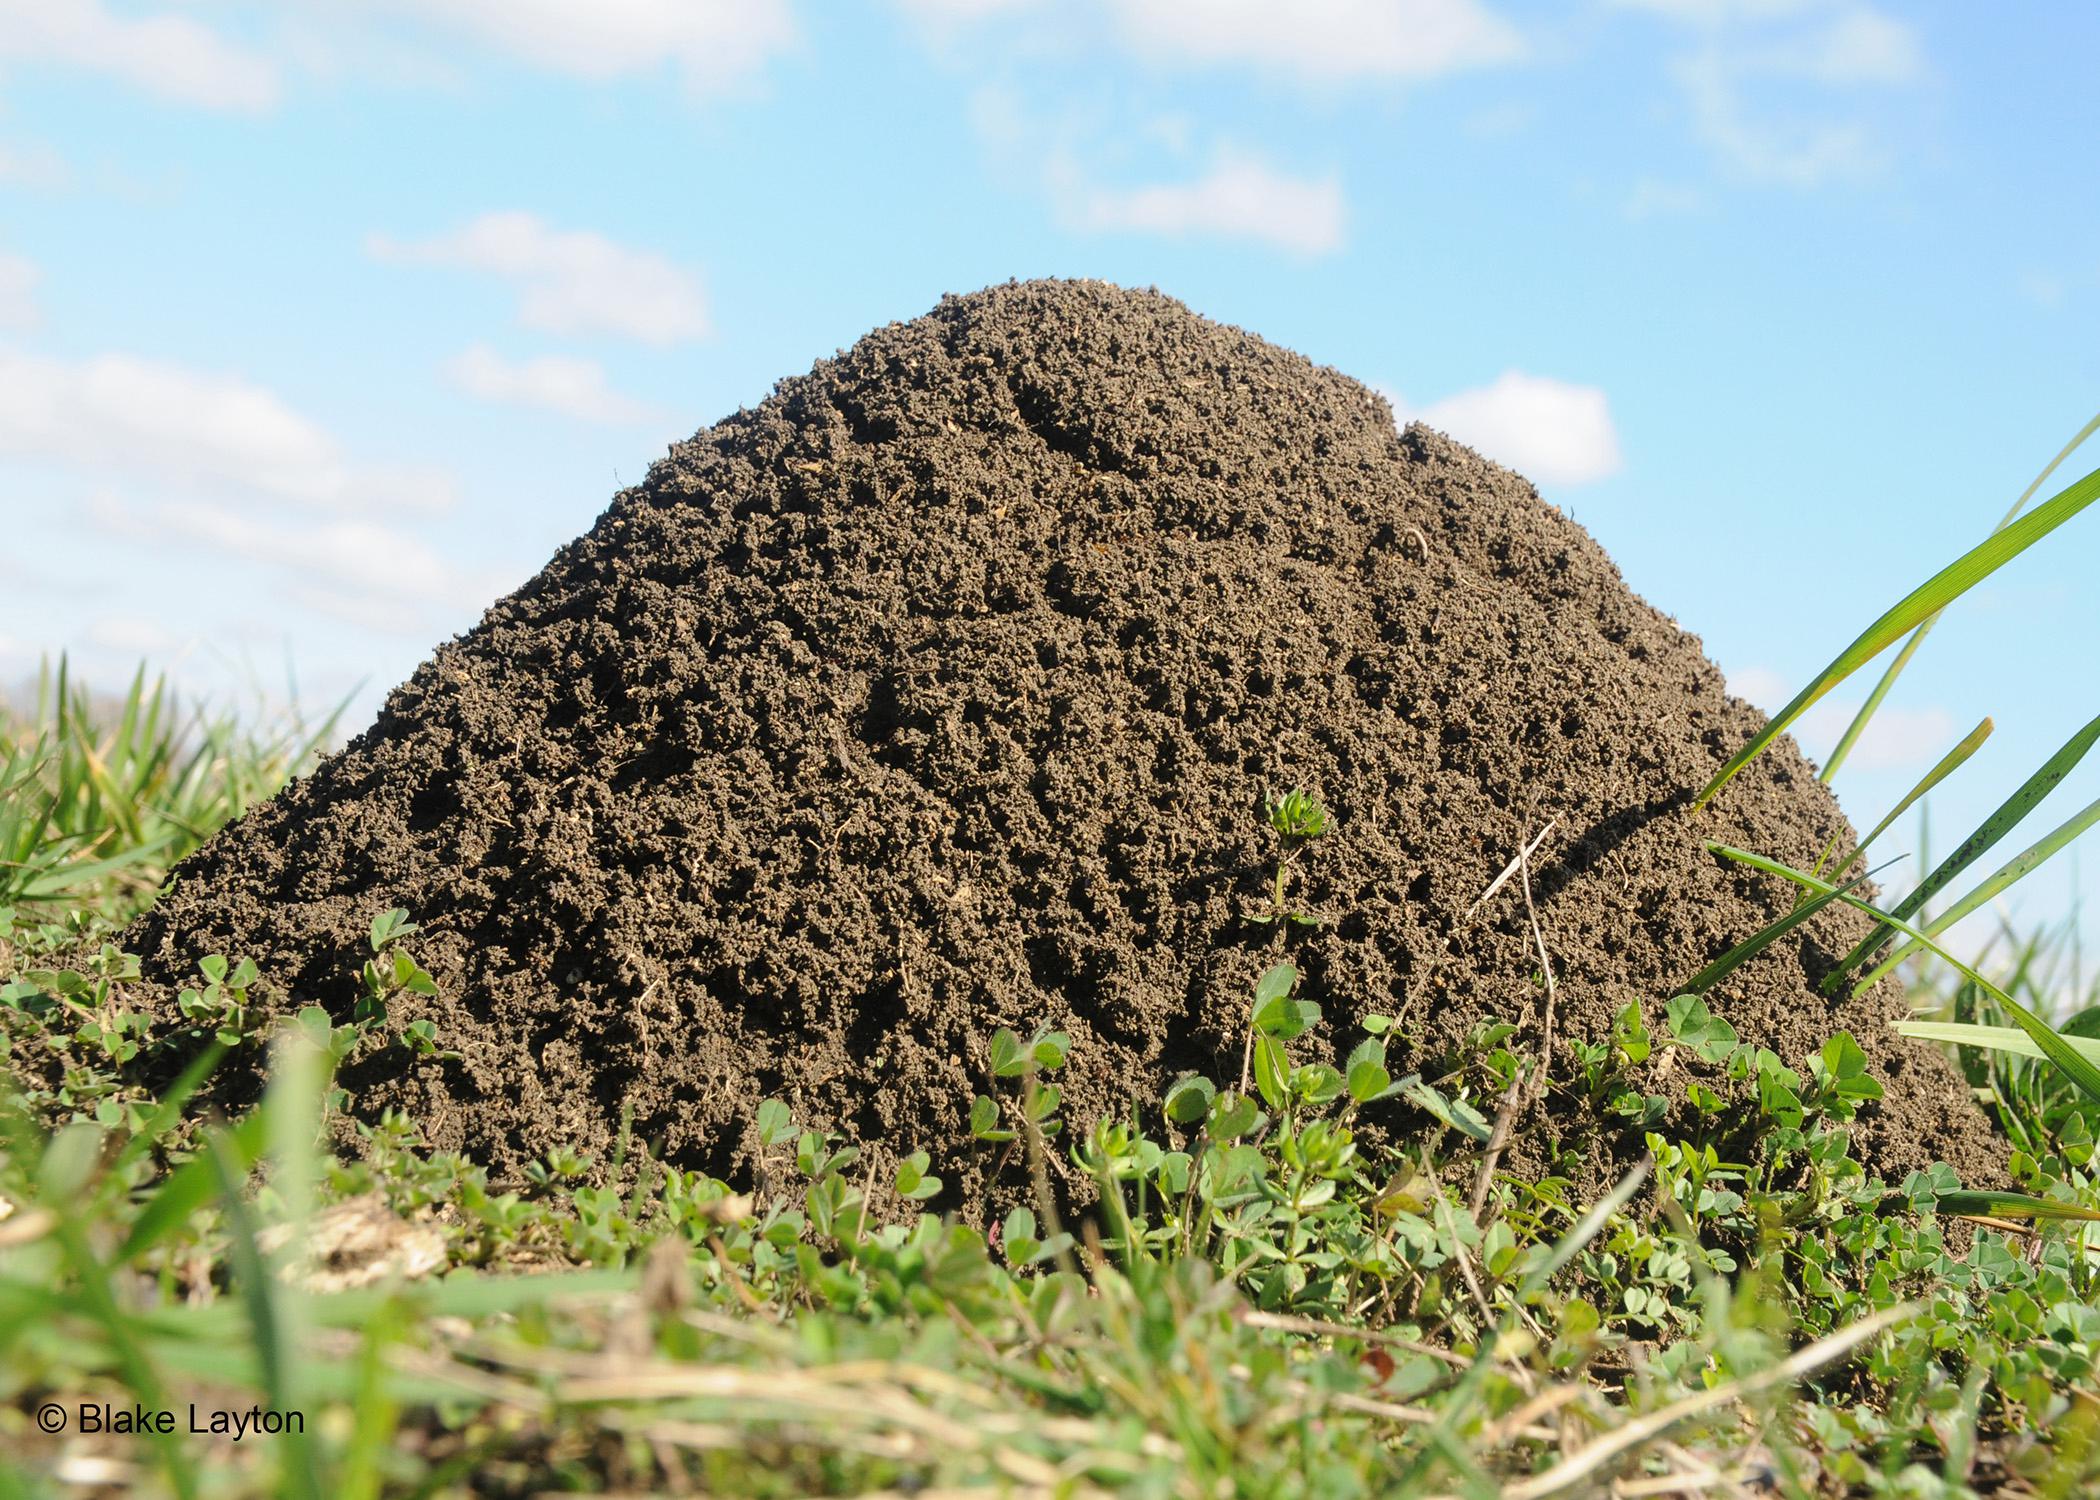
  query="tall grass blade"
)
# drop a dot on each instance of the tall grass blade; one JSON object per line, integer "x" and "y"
{"x": 1751, "y": 946}
{"x": 2010, "y": 1040}
{"x": 1930, "y": 597}
{"x": 1972, "y": 848}
{"x": 1951, "y": 762}
{"x": 2014, "y": 1206}
{"x": 1867, "y": 710}
{"x": 2055, "y": 1047}
{"x": 274, "y": 1351}
{"x": 2007, "y": 875}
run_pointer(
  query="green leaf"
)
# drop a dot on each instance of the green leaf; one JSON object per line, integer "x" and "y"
{"x": 391, "y": 925}
{"x": 1693, "y": 1023}
{"x": 1367, "y": 1073}
{"x": 984, "y": 1118}
{"x": 1842, "y": 1056}
{"x": 1188, "y": 1098}
{"x": 776, "y": 1122}
{"x": 1274, "y": 985}
{"x": 1008, "y": 1060}
{"x": 1271, "y": 1071}
{"x": 1232, "y": 1115}
{"x": 1928, "y": 599}
{"x": 1317, "y": 1083}
{"x": 914, "y": 1182}
{"x": 1049, "y": 1049}
{"x": 1629, "y": 1033}
{"x": 1456, "y": 1113}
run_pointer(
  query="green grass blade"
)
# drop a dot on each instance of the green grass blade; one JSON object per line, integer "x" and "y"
{"x": 75, "y": 874}
{"x": 167, "y": 1112}
{"x": 1974, "y": 847}
{"x": 1930, "y": 597}
{"x": 258, "y": 1291}
{"x": 2014, "y": 1206}
{"x": 188, "y": 1188}
{"x": 1755, "y": 944}
{"x": 1872, "y": 706}
{"x": 2007, "y": 1039}
{"x": 1951, "y": 762}
{"x": 2007, "y": 875}
{"x": 1867, "y": 710}
{"x": 2055, "y": 1047}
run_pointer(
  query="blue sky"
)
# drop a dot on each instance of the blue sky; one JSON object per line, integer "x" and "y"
{"x": 322, "y": 322}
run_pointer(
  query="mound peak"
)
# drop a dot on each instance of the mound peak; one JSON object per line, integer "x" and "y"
{"x": 941, "y": 690}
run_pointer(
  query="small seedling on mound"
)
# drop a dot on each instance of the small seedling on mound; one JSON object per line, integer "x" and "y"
{"x": 390, "y": 971}
{"x": 1297, "y": 818}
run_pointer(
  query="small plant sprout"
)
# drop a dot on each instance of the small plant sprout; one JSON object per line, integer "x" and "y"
{"x": 1009, "y": 1057}
{"x": 390, "y": 971}
{"x": 1297, "y": 818}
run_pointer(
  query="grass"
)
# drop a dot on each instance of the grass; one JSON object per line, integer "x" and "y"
{"x": 1260, "y": 1303}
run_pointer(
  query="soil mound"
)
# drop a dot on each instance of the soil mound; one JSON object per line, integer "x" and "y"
{"x": 940, "y": 692}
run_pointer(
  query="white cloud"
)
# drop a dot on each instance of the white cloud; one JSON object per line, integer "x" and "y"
{"x": 953, "y": 11}
{"x": 1794, "y": 152}
{"x": 116, "y": 412}
{"x": 133, "y": 635}
{"x": 1551, "y": 431}
{"x": 1323, "y": 39}
{"x": 18, "y": 279}
{"x": 1238, "y": 198}
{"x": 1773, "y": 86}
{"x": 1859, "y": 45}
{"x": 710, "y": 42}
{"x": 31, "y": 165}
{"x": 1895, "y": 739}
{"x": 170, "y": 56}
{"x": 2045, "y": 289}
{"x": 1652, "y": 198}
{"x": 373, "y": 575}
{"x": 569, "y": 281}
{"x": 573, "y": 387}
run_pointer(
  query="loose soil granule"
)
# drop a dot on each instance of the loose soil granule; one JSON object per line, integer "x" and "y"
{"x": 940, "y": 692}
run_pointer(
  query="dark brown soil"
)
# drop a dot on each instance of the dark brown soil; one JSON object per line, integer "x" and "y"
{"x": 940, "y": 691}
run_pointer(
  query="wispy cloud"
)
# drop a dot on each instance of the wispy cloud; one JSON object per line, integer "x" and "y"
{"x": 195, "y": 429}
{"x": 30, "y": 165}
{"x": 373, "y": 575}
{"x": 572, "y": 387}
{"x": 709, "y": 42}
{"x": 1773, "y": 86}
{"x": 18, "y": 281}
{"x": 1652, "y": 198}
{"x": 1550, "y": 431}
{"x": 171, "y": 56}
{"x": 1240, "y": 197}
{"x": 1896, "y": 738}
{"x": 1322, "y": 40}
{"x": 570, "y": 281}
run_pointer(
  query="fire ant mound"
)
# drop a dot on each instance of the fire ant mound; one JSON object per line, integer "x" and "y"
{"x": 941, "y": 692}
